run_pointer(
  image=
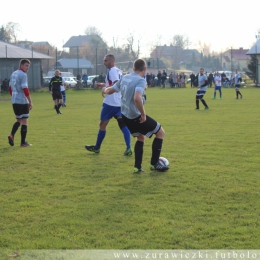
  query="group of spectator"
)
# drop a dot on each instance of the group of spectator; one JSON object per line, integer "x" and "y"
{"x": 160, "y": 80}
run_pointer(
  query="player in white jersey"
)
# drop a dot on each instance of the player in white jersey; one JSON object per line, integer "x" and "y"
{"x": 217, "y": 82}
{"x": 111, "y": 108}
{"x": 21, "y": 100}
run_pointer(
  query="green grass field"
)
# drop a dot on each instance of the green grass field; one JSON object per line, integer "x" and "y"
{"x": 57, "y": 195}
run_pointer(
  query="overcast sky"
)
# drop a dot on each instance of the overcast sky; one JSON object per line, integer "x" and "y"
{"x": 221, "y": 23}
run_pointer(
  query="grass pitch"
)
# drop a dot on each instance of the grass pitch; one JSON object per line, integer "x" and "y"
{"x": 57, "y": 195}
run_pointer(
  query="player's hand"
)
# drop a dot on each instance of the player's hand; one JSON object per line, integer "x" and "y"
{"x": 30, "y": 106}
{"x": 142, "y": 118}
{"x": 103, "y": 91}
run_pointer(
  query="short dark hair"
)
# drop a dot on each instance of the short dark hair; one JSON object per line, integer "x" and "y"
{"x": 139, "y": 64}
{"x": 110, "y": 56}
{"x": 23, "y": 61}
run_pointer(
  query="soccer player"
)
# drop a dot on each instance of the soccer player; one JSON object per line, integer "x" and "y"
{"x": 217, "y": 82}
{"x": 202, "y": 88}
{"x": 21, "y": 100}
{"x": 54, "y": 88}
{"x": 237, "y": 81}
{"x": 132, "y": 87}
{"x": 111, "y": 108}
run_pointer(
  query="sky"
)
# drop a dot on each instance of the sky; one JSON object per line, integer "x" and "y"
{"x": 222, "y": 24}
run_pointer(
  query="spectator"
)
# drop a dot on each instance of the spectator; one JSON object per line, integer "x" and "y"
{"x": 148, "y": 79}
{"x": 85, "y": 80}
{"x": 159, "y": 78}
{"x": 210, "y": 79}
{"x": 192, "y": 78}
{"x": 164, "y": 78}
{"x": 5, "y": 85}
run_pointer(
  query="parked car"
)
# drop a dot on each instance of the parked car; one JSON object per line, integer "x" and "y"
{"x": 90, "y": 80}
{"x": 70, "y": 82}
{"x": 46, "y": 81}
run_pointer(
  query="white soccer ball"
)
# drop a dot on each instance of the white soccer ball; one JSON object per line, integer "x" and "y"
{"x": 164, "y": 161}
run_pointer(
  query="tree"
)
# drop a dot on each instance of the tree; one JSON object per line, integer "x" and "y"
{"x": 180, "y": 41}
{"x": 92, "y": 30}
{"x": 252, "y": 65}
{"x": 4, "y": 35}
{"x": 13, "y": 29}
{"x": 134, "y": 52}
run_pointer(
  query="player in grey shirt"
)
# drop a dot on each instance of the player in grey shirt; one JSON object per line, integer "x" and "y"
{"x": 132, "y": 88}
{"x": 21, "y": 100}
{"x": 202, "y": 88}
{"x": 237, "y": 81}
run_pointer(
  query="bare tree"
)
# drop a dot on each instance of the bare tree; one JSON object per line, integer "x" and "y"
{"x": 180, "y": 41}
{"x": 13, "y": 30}
{"x": 134, "y": 51}
{"x": 92, "y": 30}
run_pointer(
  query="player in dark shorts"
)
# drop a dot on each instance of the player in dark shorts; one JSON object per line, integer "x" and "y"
{"x": 132, "y": 88}
{"x": 54, "y": 88}
{"x": 21, "y": 100}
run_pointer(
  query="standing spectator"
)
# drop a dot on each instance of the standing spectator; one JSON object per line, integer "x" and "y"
{"x": 183, "y": 76}
{"x": 164, "y": 78}
{"x": 171, "y": 80}
{"x": 195, "y": 82}
{"x": 210, "y": 79}
{"x": 192, "y": 78}
{"x": 111, "y": 108}
{"x": 237, "y": 82}
{"x": 179, "y": 80}
{"x": 54, "y": 88}
{"x": 217, "y": 82}
{"x": 152, "y": 76}
{"x": 159, "y": 78}
{"x": 148, "y": 79}
{"x": 21, "y": 101}
{"x": 133, "y": 113}
{"x": 5, "y": 85}
{"x": 202, "y": 88}
{"x": 85, "y": 80}
{"x": 223, "y": 77}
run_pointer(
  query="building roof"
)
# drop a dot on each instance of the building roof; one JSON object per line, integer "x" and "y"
{"x": 255, "y": 48}
{"x": 77, "y": 41}
{"x": 11, "y": 51}
{"x": 73, "y": 63}
{"x": 238, "y": 54}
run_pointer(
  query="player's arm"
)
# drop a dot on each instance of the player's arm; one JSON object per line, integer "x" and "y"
{"x": 26, "y": 92}
{"x": 138, "y": 99}
{"x": 108, "y": 90}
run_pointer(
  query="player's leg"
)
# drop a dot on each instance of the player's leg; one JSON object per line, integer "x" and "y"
{"x": 139, "y": 147}
{"x": 126, "y": 133}
{"x": 105, "y": 115}
{"x": 220, "y": 93}
{"x": 24, "y": 123}
{"x": 16, "y": 125}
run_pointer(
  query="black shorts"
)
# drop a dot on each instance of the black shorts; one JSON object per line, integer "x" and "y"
{"x": 21, "y": 110}
{"x": 200, "y": 94}
{"x": 147, "y": 128}
{"x": 56, "y": 95}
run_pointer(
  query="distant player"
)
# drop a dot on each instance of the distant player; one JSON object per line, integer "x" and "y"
{"x": 217, "y": 82}
{"x": 21, "y": 100}
{"x": 132, "y": 87}
{"x": 237, "y": 82}
{"x": 202, "y": 88}
{"x": 111, "y": 108}
{"x": 54, "y": 88}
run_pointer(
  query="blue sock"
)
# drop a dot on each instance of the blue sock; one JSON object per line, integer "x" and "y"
{"x": 127, "y": 137}
{"x": 100, "y": 138}
{"x": 215, "y": 94}
{"x": 220, "y": 94}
